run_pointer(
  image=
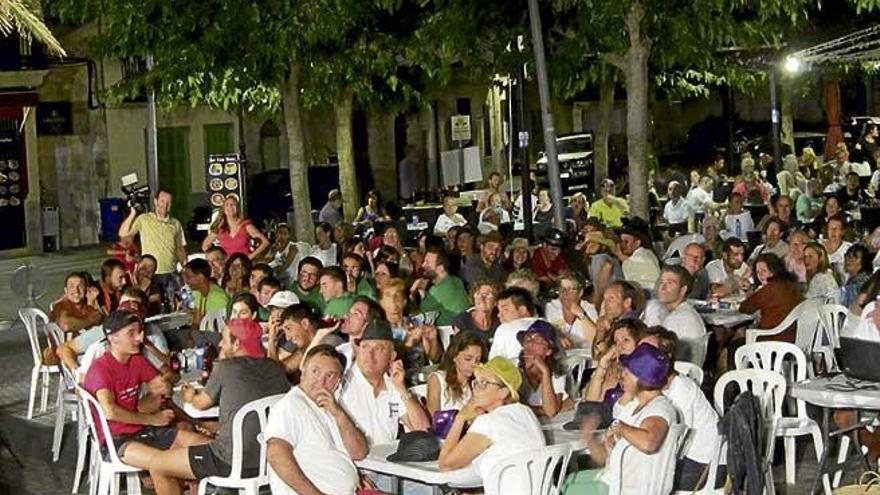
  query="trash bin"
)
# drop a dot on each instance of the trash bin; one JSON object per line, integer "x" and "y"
{"x": 112, "y": 215}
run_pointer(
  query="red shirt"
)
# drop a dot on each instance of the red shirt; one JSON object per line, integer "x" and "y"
{"x": 238, "y": 243}
{"x": 124, "y": 381}
{"x": 540, "y": 267}
{"x": 79, "y": 311}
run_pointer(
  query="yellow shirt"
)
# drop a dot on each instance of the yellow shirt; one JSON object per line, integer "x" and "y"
{"x": 611, "y": 215}
{"x": 160, "y": 238}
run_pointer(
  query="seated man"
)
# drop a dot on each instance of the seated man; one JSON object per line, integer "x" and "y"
{"x": 78, "y": 309}
{"x": 516, "y": 311}
{"x": 738, "y": 221}
{"x": 692, "y": 259}
{"x": 216, "y": 257}
{"x": 446, "y": 292}
{"x": 111, "y": 284}
{"x": 337, "y": 300}
{"x": 207, "y": 296}
{"x": 306, "y": 284}
{"x": 140, "y": 428}
{"x": 242, "y": 374}
{"x": 374, "y": 392}
{"x": 730, "y": 273}
{"x": 267, "y": 288}
{"x": 311, "y": 440}
{"x": 289, "y": 340}
{"x": 638, "y": 261}
{"x": 671, "y": 310}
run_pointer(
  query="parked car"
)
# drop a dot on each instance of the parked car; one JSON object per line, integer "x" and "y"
{"x": 575, "y": 156}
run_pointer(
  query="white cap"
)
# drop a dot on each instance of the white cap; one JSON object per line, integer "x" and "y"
{"x": 283, "y": 299}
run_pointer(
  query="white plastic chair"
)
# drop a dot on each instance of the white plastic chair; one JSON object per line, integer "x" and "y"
{"x": 678, "y": 244}
{"x": 712, "y": 475}
{"x": 805, "y": 314}
{"x": 689, "y": 370}
{"x": 574, "y": 366}
{"x": 213, "y": 321}
{"x": 659, "y": 480}
{"x": 235, "y": 480}
{"x": 445, "y": 333}
{"x": 779, "y": 357}
{"x": 420, "y": 392}
{"x": 545, "y": 467}
{"x": 832, "y": 319}
{"x": 769, "y": 388}
{"x": 41, "y": 373}
{"x": 108, "y": 470}
{"x": 695, "y": 350}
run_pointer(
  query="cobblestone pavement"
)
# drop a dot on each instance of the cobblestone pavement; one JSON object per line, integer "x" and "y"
{"x": 32, "y": 439}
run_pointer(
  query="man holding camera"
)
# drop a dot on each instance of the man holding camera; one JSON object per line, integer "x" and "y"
{"x": 162, "y": 237}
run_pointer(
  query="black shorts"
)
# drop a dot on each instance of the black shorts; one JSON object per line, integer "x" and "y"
{"x": 159, "y": 437}
{"x": 204, "y": 463}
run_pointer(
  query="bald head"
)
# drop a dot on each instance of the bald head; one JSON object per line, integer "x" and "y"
{"x": 693, "y": 257}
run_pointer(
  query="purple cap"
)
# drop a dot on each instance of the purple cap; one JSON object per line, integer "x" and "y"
{"x": 648, "y": 364}
{"x": 542, "y": 328}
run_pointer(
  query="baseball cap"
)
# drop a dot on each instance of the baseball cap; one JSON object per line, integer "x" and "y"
{"x": 555, "y": 237}
{"x": 249, "y": 334}
{"x": 649, "y": 364}
{"x": 377, "y": 329}
{"x": 542, "y": 328}
{"x": 506, "y": 371}
{"x": 283, "y": 299}
{"x": 119, "y": 319}
{"x": 416, "y": 446}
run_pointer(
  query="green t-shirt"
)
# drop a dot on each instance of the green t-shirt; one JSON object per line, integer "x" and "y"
{"x": 311, "y": 297}
{"x": 338, "y": 306}
{"x": 216, "y": 300}
{"x": 448, "y": 297}
{"x": 365, "y": 288}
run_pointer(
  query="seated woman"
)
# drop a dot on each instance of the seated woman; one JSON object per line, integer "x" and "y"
{"x": 543, "y": 389}
{"x": 519, "y": 255}
{"x": 858, "y": 269}
{"x": 281, "y": 254}
{"x": 623, "y": 338}
{"x": 450, "y": 386}
{"x": 384, "y": 271}
{"x": 236, "y": 274}
{"x": 820, "y": 277}
{"x": 602, "y": 266}
{"x": 695, "y": 411}
{"x": 641, "y": 423}
{"x": 371, "y": 211}
{"x": 298, "y": 327}
{"x": 499, "y": 426}
{"x": 482, "y": 318}
{"x": 775, "y": 295}
{"x": 569, "y": 311}
{"x": 243, "y": 305}
{"x": 835, "y": 245}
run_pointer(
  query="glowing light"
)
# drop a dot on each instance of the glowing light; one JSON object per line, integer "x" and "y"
{"x": 792, "y": 65}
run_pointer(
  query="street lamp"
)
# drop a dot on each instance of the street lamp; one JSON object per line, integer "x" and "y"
{"x": 792, "y": 64}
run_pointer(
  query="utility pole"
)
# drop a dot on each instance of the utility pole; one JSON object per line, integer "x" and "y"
{"x": 152, "y": 157}
{"x": 523, "y": 144}
{"x": 546, "y": 116}
{"x": 774, "y": 120}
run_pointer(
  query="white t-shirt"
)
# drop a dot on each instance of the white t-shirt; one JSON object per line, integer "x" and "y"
{"x": 505, "y": 343}
{"x": 865, "y": 330}
{"x": 677, "y": 212}
{"x": 447, "y": 402}
{"x": 445, "y": 222}
{"x": 696, "y": 412}
{"x": 638, "y": 468}
{"x": 377, "y": 417}
{"x": 512, "y": 428}
{"x": 698, "y": 198}
{"x": 745, "y": 221}
{"x": 836, "y": 258}
{"x": 317, "y": 445}
{"x": 553, "y": 314}
{"x": 533, "y": 396}
{"x": 717, "y": 274}
{"x": 97, "y": 349}
{"x": 684, "y": 320}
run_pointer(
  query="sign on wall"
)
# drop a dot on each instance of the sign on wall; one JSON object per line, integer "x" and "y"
{"x": 54, "y": 118}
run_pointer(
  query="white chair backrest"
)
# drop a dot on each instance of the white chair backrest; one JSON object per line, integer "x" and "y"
{"x": 767, "y": 386}
{"x": 832, "y": 319}
{"x": 660, "y": 482}
{"x": 213, "y": 321}
{"x": 574, "y": 366}
{"x": 694, "y": 351}
{"x": 420, "y": 391}
{"x": 808, "y": 322}
{"x": 545, "y": 468}
{"x": 689, "y": 370}
{"x": 679, "y": 243}
{"x": 34, "y": 319}
{"x": 779, "y": 357}
{"x": 94, "y": 413}
{"x": 260, "y": 408}
{"x": 445, "y": 333}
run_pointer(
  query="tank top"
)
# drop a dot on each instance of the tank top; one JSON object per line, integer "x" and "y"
{"x": 445, "y": 401}
{"x": 238, "y": 243}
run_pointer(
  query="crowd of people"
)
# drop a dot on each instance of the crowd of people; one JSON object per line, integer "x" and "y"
{"x": 346, "y": 325}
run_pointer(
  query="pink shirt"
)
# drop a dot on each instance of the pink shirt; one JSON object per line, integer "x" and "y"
{"x": 238, "y": 243}
{"x": 124, "y": 381}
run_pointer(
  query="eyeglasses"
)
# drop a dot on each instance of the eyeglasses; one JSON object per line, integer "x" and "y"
{"x": 482, "y": 383}
{"x": 534, "y": 338}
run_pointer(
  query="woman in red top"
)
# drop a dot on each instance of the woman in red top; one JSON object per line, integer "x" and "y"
{"x": 234, "y": 233}
{"x": 776, "y": 295}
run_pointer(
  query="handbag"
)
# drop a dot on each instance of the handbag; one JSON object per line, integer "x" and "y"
{"x": 869, "y": 484}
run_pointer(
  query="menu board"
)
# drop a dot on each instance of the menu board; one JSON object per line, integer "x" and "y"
{"x": 223, "y": 179}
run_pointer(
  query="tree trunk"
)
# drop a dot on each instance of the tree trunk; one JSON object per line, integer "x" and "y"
{"x": 603, "y": 130}
{"x": 348, "y": 183}
{"x": 303, "y": 227}
{"x": 787, "y": 138}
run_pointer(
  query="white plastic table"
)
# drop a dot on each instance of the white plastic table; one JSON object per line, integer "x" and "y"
{"x": 428, "y": 472}
{"x": 210, "y": 413}
{"x": 837, "y": 392}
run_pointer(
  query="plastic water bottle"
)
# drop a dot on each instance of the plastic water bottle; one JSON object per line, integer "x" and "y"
{"x": 186, "y": 297}
{"x": 200, "y": 358}
{"x": 415, "y": 220}
{"x": 738, "y": 229}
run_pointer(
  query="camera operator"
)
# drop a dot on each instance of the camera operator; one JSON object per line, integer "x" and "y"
{"x": 162, "y": 237}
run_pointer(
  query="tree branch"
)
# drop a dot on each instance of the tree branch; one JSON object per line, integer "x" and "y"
{"x": 614, "y": 59}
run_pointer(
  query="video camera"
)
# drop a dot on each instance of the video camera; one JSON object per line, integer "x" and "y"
{"x": 138, "y": 195}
